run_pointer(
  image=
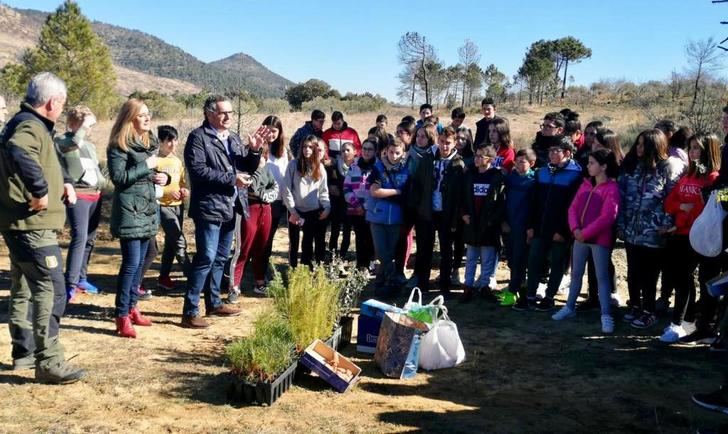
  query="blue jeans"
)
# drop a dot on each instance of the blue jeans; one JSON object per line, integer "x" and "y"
{"x": 487, "y": 255}
{"x": 83, "y": 218}
{"x": 579, "y": 257}
{"x": 132, "y": 260}
{"x": 213, "y": 247}
{"x": 385, "y": 239}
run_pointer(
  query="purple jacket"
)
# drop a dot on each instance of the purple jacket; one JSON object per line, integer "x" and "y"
{"x": 594, "y": 211}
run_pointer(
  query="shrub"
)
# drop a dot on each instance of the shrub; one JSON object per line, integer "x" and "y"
{"x": 267, "y": 353}
{"x": 274, "y": 106}
{"x": 309, "y": 302}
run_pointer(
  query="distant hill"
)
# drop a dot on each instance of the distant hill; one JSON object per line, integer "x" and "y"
{"x": 134, "y": 52}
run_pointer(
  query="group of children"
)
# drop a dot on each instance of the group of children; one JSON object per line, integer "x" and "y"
{"x": 559, "y": 205}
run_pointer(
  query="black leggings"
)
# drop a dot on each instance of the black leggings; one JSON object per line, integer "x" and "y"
{"x": 643, "y": 269}
{"x": 314, "y": 232}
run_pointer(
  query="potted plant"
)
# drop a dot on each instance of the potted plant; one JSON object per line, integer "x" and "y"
{"x": 263, "y": 365}
{"x": 351, "y": 282}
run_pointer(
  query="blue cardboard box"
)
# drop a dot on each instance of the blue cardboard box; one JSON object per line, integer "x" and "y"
{"x": 370, "y": 319}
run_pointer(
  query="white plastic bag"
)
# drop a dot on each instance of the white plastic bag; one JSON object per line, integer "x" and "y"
{"x": 411, "y": 302}
{"x": 441, "y": 347}
{"x": 706, "y": 235}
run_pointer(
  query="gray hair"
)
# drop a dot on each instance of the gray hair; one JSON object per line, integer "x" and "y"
{"x": 211, "y": 103}
{"x": 43, "y": 87}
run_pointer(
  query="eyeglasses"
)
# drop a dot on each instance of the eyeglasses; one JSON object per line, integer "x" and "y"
{"x": 228, "y": 113}
{"x": 548, "y": 126}
{"x": 481, "y": 156}
{"x": 555, "y": 150}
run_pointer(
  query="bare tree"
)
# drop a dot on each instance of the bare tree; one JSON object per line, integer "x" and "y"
{"x": 414, "y": 50}
{"x": 469, "y": 55}
{"x": 703, "y": 57}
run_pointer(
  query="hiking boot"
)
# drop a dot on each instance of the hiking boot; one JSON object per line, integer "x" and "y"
{"x": 607, "y": 324}
{"x": 715, "y": 401}
{"x": 23, "y": 363}
{"x": 564, "y": 313}
{"x": 507, "y": 298}
{"x": 87, "y": 287}
{"x": 166, "y": 283}
{"x": 137, "y": 318}
{"x": 124, "y": 327}
{"x": 143, "y": 294}
{"x": 645, "y": 321}
{"x": 587, "y": 305}
{"x": 545, "y": 305}
{"x": 233, "y": 297}
{"x": 224, "y": 310}
{"x": 194, "y": 322}
{"x": 59, "y": 373}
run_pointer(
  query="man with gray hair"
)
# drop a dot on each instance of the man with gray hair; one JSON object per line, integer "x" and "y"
{"x": 32, "y": 193}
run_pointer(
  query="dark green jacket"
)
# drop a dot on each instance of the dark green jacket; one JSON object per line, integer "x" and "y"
{"x": 134, "y": 207}
{"x": 29, "y": 167}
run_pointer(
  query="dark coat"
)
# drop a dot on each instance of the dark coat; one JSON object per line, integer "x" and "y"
{"x": 485, "y": 226}
{"x": 452, "y": 191}
{"x": 134, "y": 206}
{"x": 212, "y": 171}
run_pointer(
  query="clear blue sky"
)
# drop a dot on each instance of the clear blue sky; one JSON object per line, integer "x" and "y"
{"x": 353, "y": 45}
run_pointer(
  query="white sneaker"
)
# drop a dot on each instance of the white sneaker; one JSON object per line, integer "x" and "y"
{"x": 672, "y": 334}
{"x": 565, "y": 283}
{"x": 563, "y": 313}
{"x": 607, "y": 324}
{"x": 493, "y": 282}
{"x": 689, "y": 327}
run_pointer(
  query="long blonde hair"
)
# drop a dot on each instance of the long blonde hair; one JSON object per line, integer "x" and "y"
{"x": 123, "y": 130}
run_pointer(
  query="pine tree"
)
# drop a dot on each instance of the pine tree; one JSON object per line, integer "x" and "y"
{"x": 69, "y": 48}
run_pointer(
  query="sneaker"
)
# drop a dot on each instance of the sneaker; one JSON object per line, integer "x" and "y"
{"x": 615, "y": 300}
{"x": 563, "y": 313}
{"x": 699, "y": 337}
{"x": 87, "y": 287}
{"x": 143, "y": 294}
{"x": 632, "y": 314}
{"x": 718, "y": 346}
{"x": 233, "y": 297}
{"x": 508, "y": 298}
{"x": 524, "y": 304}
{"x": 673, "y": 333}
{"x": 545, "y": 305}
{"x": 565, "y": 283}
{"x": 647, "y": 320}
{"x": 260, "y": 290}
{"x": 607, "y": 324}
{"x": 715, "y": 401}
{"x": 23, "y": 363}
{"x": 488, "y": 294}
{"x": 59, "y": 373}
{"x": 587, "y": 305}
{"x": 455, "y": 278}
{"x": 166, "y": 283}
{"x": 224, "y": 310}
{"x": 194, "y": 322}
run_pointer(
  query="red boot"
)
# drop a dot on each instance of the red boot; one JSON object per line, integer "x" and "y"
{"x": 137, "y": 318}
{"x": 124, "y": 327}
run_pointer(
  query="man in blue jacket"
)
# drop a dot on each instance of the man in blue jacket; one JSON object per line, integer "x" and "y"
{"x": 548, "y": 225}
{"x": 219, "y": 167}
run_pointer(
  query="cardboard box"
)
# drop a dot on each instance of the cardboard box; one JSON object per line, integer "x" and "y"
{"x": 318, "y": 357}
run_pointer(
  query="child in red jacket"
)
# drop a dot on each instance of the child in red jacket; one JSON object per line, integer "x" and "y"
{"x": 685, "y": 203}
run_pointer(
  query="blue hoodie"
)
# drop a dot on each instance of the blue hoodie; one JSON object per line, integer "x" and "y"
{"x": 518, "y": 195}
{"x": 387, "y": 211}
{"x": 553, "y": 192}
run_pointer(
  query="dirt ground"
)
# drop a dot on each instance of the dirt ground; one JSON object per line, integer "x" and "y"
{"x": 523, "y": 373}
